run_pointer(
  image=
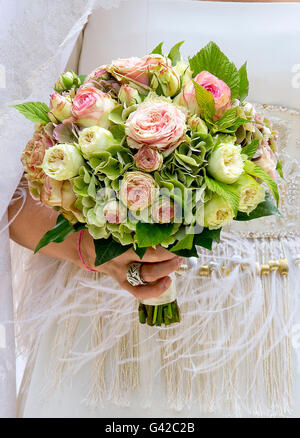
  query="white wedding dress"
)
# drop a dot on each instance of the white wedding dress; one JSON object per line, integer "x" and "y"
{"x": 235, "y": 351}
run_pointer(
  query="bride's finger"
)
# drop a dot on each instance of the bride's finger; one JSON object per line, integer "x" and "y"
{"x": 159, "y": 254}
{"x": 149, "y": 290}
{"x": 154, "y": 271}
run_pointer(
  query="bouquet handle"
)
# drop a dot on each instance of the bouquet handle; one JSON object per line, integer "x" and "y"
{"x": 160, "y": 310}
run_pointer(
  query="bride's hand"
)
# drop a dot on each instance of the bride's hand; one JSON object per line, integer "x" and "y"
{"x": 34, "y": 220}
{"x": 157, "y": 264}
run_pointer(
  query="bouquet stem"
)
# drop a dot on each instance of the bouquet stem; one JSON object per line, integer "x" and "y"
{"x": 161, "y": 314}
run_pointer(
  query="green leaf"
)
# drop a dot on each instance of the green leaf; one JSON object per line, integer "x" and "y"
{"x": 279, "y": 169}
{"x": 174, "y": 53}
{"x": 186, "y": 252}
{"x": 226, "y": 191}
{"x": 205, "y": 101}
{"x": 265, "y": 208}
{"x": 211, "y": 59}
{"x": 118, "y": 131}
{"x": 207, "y": 237}
{"x": 82, "y": 78}
{"x": 35, "y": 111}
{"x": 108, "y": 249}
{"x": 58, "y": 233}
{"x": 227, "y": 119}
{"x": 140, "y": 251}
{"x": 251, "y": 148}
{"x": 115, "y": 115}
{"x": 185, "y": 243}
{"x": 254, "y": 170}
{"x": 158, "y": 49}
{"x": 152, "y": 234}
{"x": 244, "y": 83}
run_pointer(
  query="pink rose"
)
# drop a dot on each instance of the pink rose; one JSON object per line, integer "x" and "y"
{"x": 33, "y": 155}
{"x": 60, "y": 107}
{"x": 163, "y": 210}
{"x": 97, "y": 74}
{"x": 220, "y": 91}
{"x": 158, "y": 124}
{"x": 148, "y": 159}
{"x": 92, "y": 107}
{"x": 102, "y": 79}
{"x": 139, "y": 72}
{"x": 267, "y": 160}
{"x": 114, "y": 212}
{"x": 131, "y": 69}
{"x": 137, "y": 190}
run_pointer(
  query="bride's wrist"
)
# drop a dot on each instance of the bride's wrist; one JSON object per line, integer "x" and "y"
{"x": 86, "y": 254}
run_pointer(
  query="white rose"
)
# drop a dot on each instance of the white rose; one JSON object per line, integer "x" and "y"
{"x": 251, "y": 193}
{"x": 94, "y": 140}
{"x": 217, "y": 212}
{"x": 62, "y": 162}
{"x": 225, "y": 163}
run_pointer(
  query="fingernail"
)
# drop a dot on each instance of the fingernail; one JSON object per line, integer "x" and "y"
{"x": 166, "y": 282}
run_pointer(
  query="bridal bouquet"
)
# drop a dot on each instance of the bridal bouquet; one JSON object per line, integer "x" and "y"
{"x": 152, "y": 151}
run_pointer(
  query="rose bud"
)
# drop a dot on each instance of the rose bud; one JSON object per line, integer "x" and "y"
{"x": 137, "y": 190}
{"x": 267, "y": 160}
{"x": 163, "y": 210}
{"x": 133, "y": 70}
{"x": 94, "y": 140}
{"x": 67, "y": 81}
{"x": 148, "y": 160}
{"x": 217, "y": 212}
{"x": 219, "y": 90}
{"x": 225, "y": 163}
{"x": 103, "y": 80}
{"x": 62, "y": 161}
{"x": 129, "y": 96}
{"x": 115, "y": 212}
{"x": 60, "y": 107}
{"x": 165, "y": 76}
{"x": 33, "y": 155}
{"x": 251, "y": 193}
{"x": 249, "y": 110}
{"x": 138, "y": 72}
{"x": 100, "y": 73}
{"x": 184, "y": 72}
{"x": 197, "y": 125}
{"x": 158, "y": 124}
{"x": 92, "y": 107}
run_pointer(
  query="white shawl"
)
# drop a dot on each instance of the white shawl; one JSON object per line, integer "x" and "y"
{"x": 36, "y": 41}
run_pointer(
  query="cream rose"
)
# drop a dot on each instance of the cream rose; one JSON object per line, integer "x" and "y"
{"x": 217, "y": 212}
{"x": 251, "y": 193}
{"x": 225, "y": 163}
{"x": 62, "y": 161}
{"x": 94, "y": 140}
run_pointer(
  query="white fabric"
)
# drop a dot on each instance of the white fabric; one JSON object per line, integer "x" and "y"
{"x": 35, "y": 44}
{"x": 267, "y": 35}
